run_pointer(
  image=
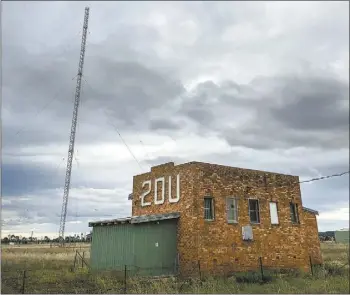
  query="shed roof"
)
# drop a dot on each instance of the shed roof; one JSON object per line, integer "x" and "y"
{"x": 310, "y": 210}
{"x": 136, "y": 219}
{"x": 343, "y": 229}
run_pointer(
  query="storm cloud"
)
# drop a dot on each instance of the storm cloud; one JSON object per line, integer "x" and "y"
{"x": 256, "y": 85}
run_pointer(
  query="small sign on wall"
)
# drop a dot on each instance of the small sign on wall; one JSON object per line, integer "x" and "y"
{"x": 156, "y": 244}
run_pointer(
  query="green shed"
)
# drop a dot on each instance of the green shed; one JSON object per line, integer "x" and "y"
{"x": 342, "y": 236}
{"x": 146, "y": 245}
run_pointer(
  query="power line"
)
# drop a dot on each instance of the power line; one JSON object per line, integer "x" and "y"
{"x": 307, "y": 181}
{"x": 143, "y": 146}
{"x": 88, "y": 84}
{"x": 126, "y": 145}
{"x": 325, "y": 177}
{"x": 130, "y": 151}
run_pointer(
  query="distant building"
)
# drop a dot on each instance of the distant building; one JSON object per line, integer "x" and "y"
{"x": 342, "y": 236}
{"x": 215, "y": 218}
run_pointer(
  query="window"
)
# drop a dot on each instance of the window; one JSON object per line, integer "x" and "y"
{"x": 273, "y": 213}
{"x": 208, "y": 208}
{"x": 254, "y": 213}
{"x": 294, "y": 213}
{"x": 232, "y": 210}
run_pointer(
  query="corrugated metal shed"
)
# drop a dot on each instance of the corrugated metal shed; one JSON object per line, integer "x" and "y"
{"x": 342, "y": 236}
{"x": 146, "y": 244}
{"x": 136, "y": 219}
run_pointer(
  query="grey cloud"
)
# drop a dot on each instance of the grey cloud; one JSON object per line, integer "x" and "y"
{"x": 37, "y": 209}
{"x": 157, "y": 124}
{"x": 114, "y": 90}
{"x": 285, "y": 112}
{"x": 21, "y": 178}
{"x": 313, "y": 104}
{"x": 129, "y": 90}
{"x": 134, "y": 73}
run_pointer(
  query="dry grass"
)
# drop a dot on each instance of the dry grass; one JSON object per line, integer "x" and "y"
{"x": 49, "y": 271}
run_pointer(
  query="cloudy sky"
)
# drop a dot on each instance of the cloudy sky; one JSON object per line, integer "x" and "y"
{"x": 260, "y": 85}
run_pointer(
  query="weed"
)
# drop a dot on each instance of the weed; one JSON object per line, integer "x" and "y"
{"x": 49, "y": 271}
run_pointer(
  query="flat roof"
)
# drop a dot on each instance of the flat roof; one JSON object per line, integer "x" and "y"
{"x": 218, "y": 165}
{"x": 136, "y": 219}
{"x": 310, "y": 210}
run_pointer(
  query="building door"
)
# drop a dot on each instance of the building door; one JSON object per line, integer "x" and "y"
{"x": 155, "y": 247}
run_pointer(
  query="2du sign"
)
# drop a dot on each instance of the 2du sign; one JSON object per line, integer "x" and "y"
{"x": 162, "y": 200}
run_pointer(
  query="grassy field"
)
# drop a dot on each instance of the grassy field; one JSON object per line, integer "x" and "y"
{"x": 49, "y": 270}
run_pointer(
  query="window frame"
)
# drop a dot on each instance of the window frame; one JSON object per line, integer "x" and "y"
{"x": 249, "y": 210}
{"x": 212, "y": 208}
{"x": 234, "y": 210}
{"x": 295, "y": 213}
{"x": 278, "y": 219}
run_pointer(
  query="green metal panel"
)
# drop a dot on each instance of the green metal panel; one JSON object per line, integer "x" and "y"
{"x": 155, "y": 245}
{"x": 342, "y": 236}
{"x": 112, "y": 247}
{"x": 146, "y": 248}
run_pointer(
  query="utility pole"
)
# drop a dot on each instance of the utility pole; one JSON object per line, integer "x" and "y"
{"x": 73, "y": 129}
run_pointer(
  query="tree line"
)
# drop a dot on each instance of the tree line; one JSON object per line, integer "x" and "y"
{"x": 17, "y": 239}
{"x": 326, "y": 236}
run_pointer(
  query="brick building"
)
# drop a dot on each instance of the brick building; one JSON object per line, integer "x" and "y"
{"x": 226, "y": 217}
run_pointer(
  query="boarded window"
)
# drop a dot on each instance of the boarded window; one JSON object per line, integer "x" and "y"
{"x": 247, "y": 233}
{"x": 273, "y": 213}
{"x": 294, "y": 212}
{"x": 208, "y": 208}
{"x": 232, "y": 210}
{"x": 254, "y": 213}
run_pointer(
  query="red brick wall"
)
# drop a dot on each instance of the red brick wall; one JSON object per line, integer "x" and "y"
{"x": 219, "y": 245}
{"x": 312, "y": 238}
{"x": 188, "y": 225}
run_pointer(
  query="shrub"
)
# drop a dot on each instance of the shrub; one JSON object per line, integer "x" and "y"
{"x": 334, "y": 269}
{"x": 253, "y": 277}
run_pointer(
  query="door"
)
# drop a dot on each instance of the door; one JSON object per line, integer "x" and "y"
{"x": 156, "y": 247}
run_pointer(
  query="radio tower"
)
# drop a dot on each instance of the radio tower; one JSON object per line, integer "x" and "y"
{"x": 73, "y": 129}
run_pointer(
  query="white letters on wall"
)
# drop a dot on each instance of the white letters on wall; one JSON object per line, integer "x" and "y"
{"x": 162, "y": 200}
{"x": 144, "y": 194}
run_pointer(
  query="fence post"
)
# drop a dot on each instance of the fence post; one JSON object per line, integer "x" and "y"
{"x": 125, "y": 279}
{"x": 261, "y": 268}
{"x": 199, "y": 270}
{"x": 82, "y": 260}
{"x": 75, "y": 260}
{"x": 311, "y": 266}
{"x": 23, "y": 281}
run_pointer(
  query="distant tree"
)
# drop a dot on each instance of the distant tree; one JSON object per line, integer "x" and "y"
{"x": 89, "y": 237}
{"x": 5, "y": 240}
